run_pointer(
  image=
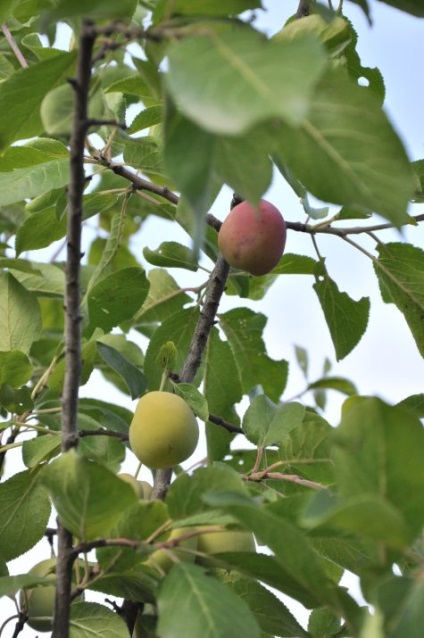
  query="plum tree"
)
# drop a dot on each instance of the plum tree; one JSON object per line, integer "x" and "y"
{"x": 38, "y": 602}
{"x": 253, "y": 238}
{"x": 163, "y": 431}
{"x": 223, "y": 541}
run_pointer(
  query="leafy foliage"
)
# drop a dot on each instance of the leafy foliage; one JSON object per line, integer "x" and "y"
{"x": 153, "y": 109}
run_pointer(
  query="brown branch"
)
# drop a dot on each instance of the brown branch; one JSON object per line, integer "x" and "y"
{"x": 139, "y": 183}
{"x": 303, "y": 9}
{"x": 214, "y": 292}
{"x": 217, "y": 420}
{"x": 72, "y": 314}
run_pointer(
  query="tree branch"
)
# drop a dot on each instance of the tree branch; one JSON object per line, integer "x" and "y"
{"x": 72, "y": 313}
{"x": 13, "y": 45}
{"x": 214, "y": 292}
{"x": 303, "y": 9}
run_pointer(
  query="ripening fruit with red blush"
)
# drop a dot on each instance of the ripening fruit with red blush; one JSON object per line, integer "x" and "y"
{"x": 253, "y": 238}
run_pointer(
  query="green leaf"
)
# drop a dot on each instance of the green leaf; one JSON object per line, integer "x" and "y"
{"x": 241, "y": 79}
{"x": 243, "y": 162}
{"x": 345, "y": 151}
{"x": 306, "y": 450}
{"x": 46, "y": 279}
{"x": 189, "y": 156}
{"x": 144, "y": 153}
{"x": 297, "y": 557}
{"x": 271, "y": 614}
{"x": 369, "y": 516}
{"x": 165, "y": 298}
{"x": 15, "y": 368}
{"x": 401, "y": 601}
{"x": 186, "y": 494}
{"x": 222, "y": 388}
{"x": 89, "y": 499}
{"x": 334, "y": 383}
{"x": 323, "y": 624}
{"x": 191, "y": 603}
{"x": 291, "y": 264}
{"x": 97, "y": 9}
{"x": 6, "y": 9}
{"x": 333, "y": 33}
{"x": 203, "y": 7}
{"x": 414, "y": 7}
{"x": 139, "y": 522}
{"x": 178, "y": 328}
{"x": 22, "y": 93}
{"x": 117, "y": 297}
{"x": 346, "y": 319}
{"x": 20, "y": 315}
{"x": 302, "y": 359}
{"x": 93, "y": 619}
{"x": 104, "y": 450}
{"x": 25, "y": 508}
{"x": 39, "y": 151}
{"x": 40, "y": 230}
{"x": 378, "y": 450}
{"x": 266, "y": 424}
{"x": 40, "y": 449}
{"x": 243, "y": 329}
{"x": 170, "y": 254}
{"x": 133, "y": 583}
{"x": 400, "y": 273}
{"x": 418, "y": 168}
{"x": 133, "y": 377}
{"x": 414, "y": 403}
{"x": 194, "y": 398}
{"x": 145, "y": 119}
{"x": 108, "y": 415}
{"x": 11, "y": 585}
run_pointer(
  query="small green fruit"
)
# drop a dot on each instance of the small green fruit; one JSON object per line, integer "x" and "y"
{"x": 39, "y": 602}
{"x": 143, "y": 489}
{"x": 223, "y": 541}
{"x": 253, "y": 238}
{"x": 164, "y": 430}
{"x": 184, "y": 551}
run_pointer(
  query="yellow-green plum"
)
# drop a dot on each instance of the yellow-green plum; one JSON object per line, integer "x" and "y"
{"x": 163, "y": 431}
{"x": 39, "y": 602}
{"x": 210, "y": 543}
{"x": 253, "y": 238}
{"x": 143, "y": 489}
{"x": 183, "y": 551}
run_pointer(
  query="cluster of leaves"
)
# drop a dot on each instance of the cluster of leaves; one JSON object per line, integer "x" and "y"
{"x": 322, "y": 500}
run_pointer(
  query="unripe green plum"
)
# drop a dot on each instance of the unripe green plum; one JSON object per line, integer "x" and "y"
{"x": 164, "y": 430}
{"x": 39, "y": 601}
{"x": 223, "y": 541}
{"x": 253, "y": 238}
{"x": 185, "y": 551}
{"x": 143, "y": 489}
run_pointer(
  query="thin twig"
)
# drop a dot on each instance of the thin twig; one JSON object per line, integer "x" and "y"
{"x": 230, "y": 427}
{"x": 13, "y": 45}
